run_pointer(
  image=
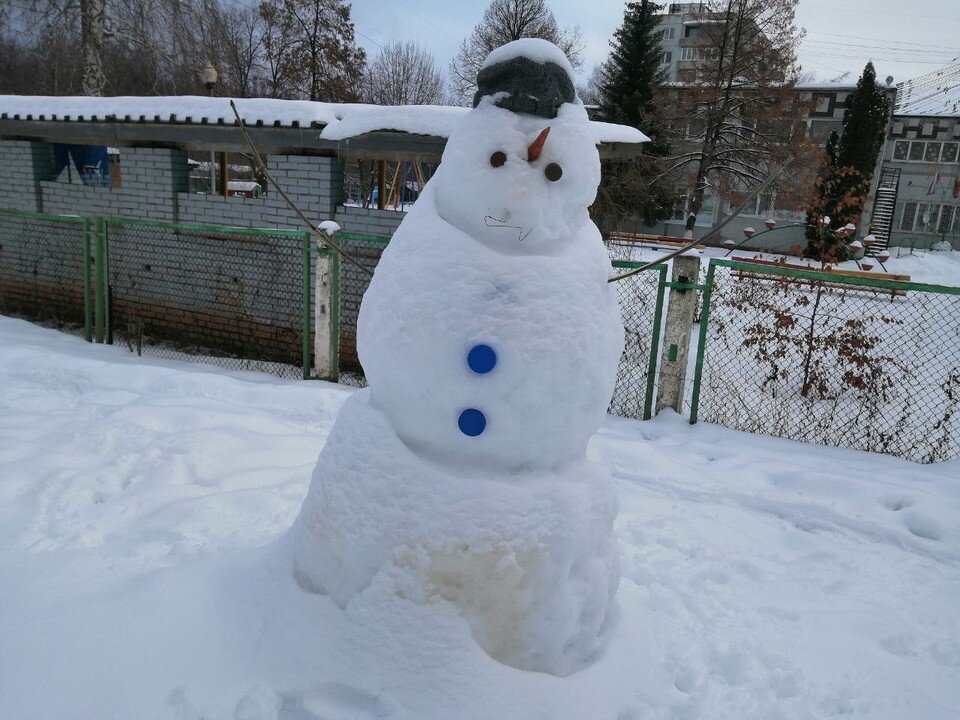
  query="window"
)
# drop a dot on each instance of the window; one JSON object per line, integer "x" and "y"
{"x": 926, "y": 218}
{"x": 687, "y": 53}
{"x": 946, "y": 219}
{"x": 909, "y": 215}
{"x": 667, "y": 57}
{"x": 668, "y": 33}
{"x": 932, "y": 151}
{"x": 823, "y": 104}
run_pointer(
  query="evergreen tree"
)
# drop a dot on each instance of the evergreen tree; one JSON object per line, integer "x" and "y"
{"x": 849, "y": 165}
{"x": 626, "y": 88}
{"x": 633, "y": 70}
{"x": 864, "y": 123}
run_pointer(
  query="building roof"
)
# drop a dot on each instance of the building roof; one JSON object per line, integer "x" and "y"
{"x": 936, "y": 94}
{"x": 192, "y": 121}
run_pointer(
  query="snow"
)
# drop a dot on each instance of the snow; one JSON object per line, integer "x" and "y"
{"x": 506, "y": 519}
{"x": 536, "y": 49}
{"x": 142, "y": 503}
{"x": 329, "y": 227}
{"x": 340, "y": 121}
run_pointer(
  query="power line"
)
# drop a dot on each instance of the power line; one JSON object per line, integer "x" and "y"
{"x": 886, "y": 41}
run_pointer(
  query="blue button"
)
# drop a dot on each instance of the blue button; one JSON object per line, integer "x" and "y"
{"x": 472, "y": 422}
{"x": 482, "y": 359}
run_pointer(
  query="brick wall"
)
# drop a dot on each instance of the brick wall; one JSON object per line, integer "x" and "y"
{"x": 24, "y": 165}
{"x": 315, "y": 184}
{"x": 41, "y": 265}
{"x": 369, "y": 221}
{"x": 153, "y": 179}
{"x": 232, "y": 294}
{"x": 236, "y": 295}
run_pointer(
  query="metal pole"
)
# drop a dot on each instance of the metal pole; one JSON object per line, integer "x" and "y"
{"x": 654, "y": 344}
{"x": 213, "y": 170}
{"x": 87, "y": 319}
{"x": 98, "y": 288}
{"x": 107, "y": 329}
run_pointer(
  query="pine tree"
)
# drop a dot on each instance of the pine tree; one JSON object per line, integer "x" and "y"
{"x": 633, "y": 70}
{"x": 845, "y": 176}
{"x": 863, "y": 123}
{"x": 627, "y": 83}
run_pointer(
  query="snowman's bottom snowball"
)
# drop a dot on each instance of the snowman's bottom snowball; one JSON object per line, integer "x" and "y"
{"x": 529, "y": 558}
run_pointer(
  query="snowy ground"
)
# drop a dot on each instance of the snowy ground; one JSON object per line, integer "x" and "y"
{"x": 142, "y": 505}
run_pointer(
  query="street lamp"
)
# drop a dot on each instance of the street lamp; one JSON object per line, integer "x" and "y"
{"x": 209, "y": 77}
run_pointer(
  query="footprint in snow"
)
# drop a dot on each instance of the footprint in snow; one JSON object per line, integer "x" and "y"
{"x": 335, "y": 701}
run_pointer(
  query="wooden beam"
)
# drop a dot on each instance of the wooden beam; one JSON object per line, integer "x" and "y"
{"x": 381, "y": 184}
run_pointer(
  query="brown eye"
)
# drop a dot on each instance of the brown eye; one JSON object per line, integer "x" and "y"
{"x": 553, "y": 172}
{"x": 498, "y": 158}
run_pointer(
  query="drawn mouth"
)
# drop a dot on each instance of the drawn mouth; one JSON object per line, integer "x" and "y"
{"x": 491, "y": 222}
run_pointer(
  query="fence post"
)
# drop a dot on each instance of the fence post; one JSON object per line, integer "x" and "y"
{"x": 326, "y": 316}
{"x": 87, "y": 305}
{"x": 99, "y": 274}
{"x": 678, "y": 324}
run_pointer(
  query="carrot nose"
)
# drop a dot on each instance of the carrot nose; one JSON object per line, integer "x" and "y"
{"x": 533, "y": 152}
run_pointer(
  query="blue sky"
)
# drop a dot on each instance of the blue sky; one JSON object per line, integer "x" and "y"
{"x": 841, "y": 34}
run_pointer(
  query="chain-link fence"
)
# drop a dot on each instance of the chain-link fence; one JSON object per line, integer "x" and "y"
{"x": 832, "y": 360}
{"x": 353, "y": 282}
{"x": 238, "y": 297}
{"x": 44, "y": 263}
{"x": 641, "y": 298}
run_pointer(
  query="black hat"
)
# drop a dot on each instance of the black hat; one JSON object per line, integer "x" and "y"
{"x": 535, "y": 88}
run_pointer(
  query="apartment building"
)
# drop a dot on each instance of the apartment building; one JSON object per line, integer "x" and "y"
{"x": 915, "y": 197}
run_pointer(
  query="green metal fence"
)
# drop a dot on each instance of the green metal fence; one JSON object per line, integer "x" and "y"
{"x": 239, "y": 297}
{"x": 352, "y": 284}
{"x": 45, "y": 268}
{"x": 822, "y": 358}
{"x": 641, "y": 298}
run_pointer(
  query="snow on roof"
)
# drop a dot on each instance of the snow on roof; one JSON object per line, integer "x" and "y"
{"x": 335, "y": 121}
{"x": 538, "y": 50}
{"x": 936, "y": 94}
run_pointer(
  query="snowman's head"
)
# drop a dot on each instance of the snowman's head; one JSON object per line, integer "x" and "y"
{"x": 520, "y": 170}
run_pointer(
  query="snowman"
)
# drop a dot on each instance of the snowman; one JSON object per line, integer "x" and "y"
{"x": 490, "y": 340}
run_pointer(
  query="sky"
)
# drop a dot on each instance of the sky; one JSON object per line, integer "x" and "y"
{"x": 842, "y": 35}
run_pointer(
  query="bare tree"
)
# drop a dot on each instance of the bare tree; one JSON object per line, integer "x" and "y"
{"x": 505, "y": 21}
{"x": 311, "y": 49}
{"x": 736, "y": 115}
{"x": 240, "y": 36}
{"x": 403, "y": 74}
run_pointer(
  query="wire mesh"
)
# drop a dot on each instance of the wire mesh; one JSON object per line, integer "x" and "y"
{"x": 366, "y": 249}
{"x": 41, "y": 267}
{"x": 641, "y": 305}
{"x": 821, "y": 360}
{"x": 228, "y": 296}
